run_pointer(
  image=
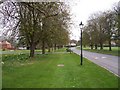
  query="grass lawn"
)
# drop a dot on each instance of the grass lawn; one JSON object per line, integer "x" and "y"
{"x": 25, "y": 51}
{"x": 105, "y": 50}
{"x": 61, "y": 50}
{"x": 43, "y": 72}
{"x": 15, "y": 51}
{"x": 19, "y": 51}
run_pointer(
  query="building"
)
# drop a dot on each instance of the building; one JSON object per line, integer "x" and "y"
{"x": 6, "y": 45}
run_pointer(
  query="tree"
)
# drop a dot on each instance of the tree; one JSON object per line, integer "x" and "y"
{"x": 29, "y": 18}
{"x": 109, "y": 26}
{"x": 101, "y": 30}
{"x": 117, "y": 20}
{"x": 93, "y": 31}
{"x": 86, "y": 36}
{"x": 56, "y": 30}
{"x": 101, "y": 27}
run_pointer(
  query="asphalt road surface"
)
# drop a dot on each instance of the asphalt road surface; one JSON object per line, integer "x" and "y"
{"x": 108, "y": 62}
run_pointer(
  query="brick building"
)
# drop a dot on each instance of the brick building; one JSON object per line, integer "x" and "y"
{"x": 5, "y": 45}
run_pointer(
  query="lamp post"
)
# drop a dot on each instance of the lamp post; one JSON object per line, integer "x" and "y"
{"x": 81, "y": 27}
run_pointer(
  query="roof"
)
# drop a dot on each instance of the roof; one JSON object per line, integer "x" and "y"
{"x": 5, "y": 42}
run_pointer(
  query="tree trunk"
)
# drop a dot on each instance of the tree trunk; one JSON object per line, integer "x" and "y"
{"x": 95, "y": 46}
{"x": 84, "y": 46}
{"x": 110, "y": 45}
{"x": 43, "y": 47}
{"x": 101, "y": 46}
{"x": 32, "y": 50}
{"x": 28, "y": 47}
{"x": 91, "y": 46}
{"x": 55, "y": 47}
{"x": 52, "y": 47}
{"x": 48, "y": 49}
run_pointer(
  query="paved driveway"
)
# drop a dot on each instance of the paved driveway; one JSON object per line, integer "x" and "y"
{"x": 108, "y": 62}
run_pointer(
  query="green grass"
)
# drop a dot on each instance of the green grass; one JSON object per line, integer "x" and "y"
{"x": 19, "y": 51}
{"x": 43, "y": 72}
{"x": 27, "y": 51}
{"x": 61, "y": 50}
{"x": 15, "y": 51}
{"x": 105, "y": 50}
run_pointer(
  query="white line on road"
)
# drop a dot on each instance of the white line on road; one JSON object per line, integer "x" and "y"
{"x": 104, "y": 57}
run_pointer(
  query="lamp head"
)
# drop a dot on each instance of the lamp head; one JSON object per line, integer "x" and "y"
{"x": 81, "y": 24}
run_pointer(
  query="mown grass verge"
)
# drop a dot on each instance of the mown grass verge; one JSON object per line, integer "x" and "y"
{"x": 115, "y": 50}
{"x": 43, "y": 72}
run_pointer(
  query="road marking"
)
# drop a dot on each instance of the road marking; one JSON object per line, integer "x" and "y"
{"x": 104, "y": 57}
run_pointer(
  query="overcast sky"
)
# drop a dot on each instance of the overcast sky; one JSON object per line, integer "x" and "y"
{"x": 82, "y": 9}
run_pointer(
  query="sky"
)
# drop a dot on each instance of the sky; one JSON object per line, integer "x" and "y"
{"x": 82, "y": 9}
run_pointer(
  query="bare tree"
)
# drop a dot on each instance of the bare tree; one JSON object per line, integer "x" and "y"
{"x": 27, "y": 19}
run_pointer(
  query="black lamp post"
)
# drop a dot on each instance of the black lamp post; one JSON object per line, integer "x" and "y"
{"x": 81, "y": 27}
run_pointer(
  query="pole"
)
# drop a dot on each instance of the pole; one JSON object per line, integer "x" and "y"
{"x": 81, "y": 48}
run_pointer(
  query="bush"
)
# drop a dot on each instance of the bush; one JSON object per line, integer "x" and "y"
{"x": 68, "y": 50}
{"x": 3, "y": 49}
{"x": 20, "y": 57}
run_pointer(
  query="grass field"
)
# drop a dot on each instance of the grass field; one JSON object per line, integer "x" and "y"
{"x": 43, "y": 72}
{"x": 18, "y": 51}
{"x": 61, "y": 50}
{"x": 27, "y": 51}
{"x": 15, "y": 51}
{"x": 115, "y": 50}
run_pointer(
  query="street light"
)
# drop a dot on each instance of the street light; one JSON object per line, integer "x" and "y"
{"x": 81, "y": 27}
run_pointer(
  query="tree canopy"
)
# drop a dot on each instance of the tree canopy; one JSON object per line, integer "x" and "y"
{"x": 37, "y": 22}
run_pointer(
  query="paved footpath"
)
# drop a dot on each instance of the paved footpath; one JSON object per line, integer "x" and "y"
{"x": 108, "y": 62}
